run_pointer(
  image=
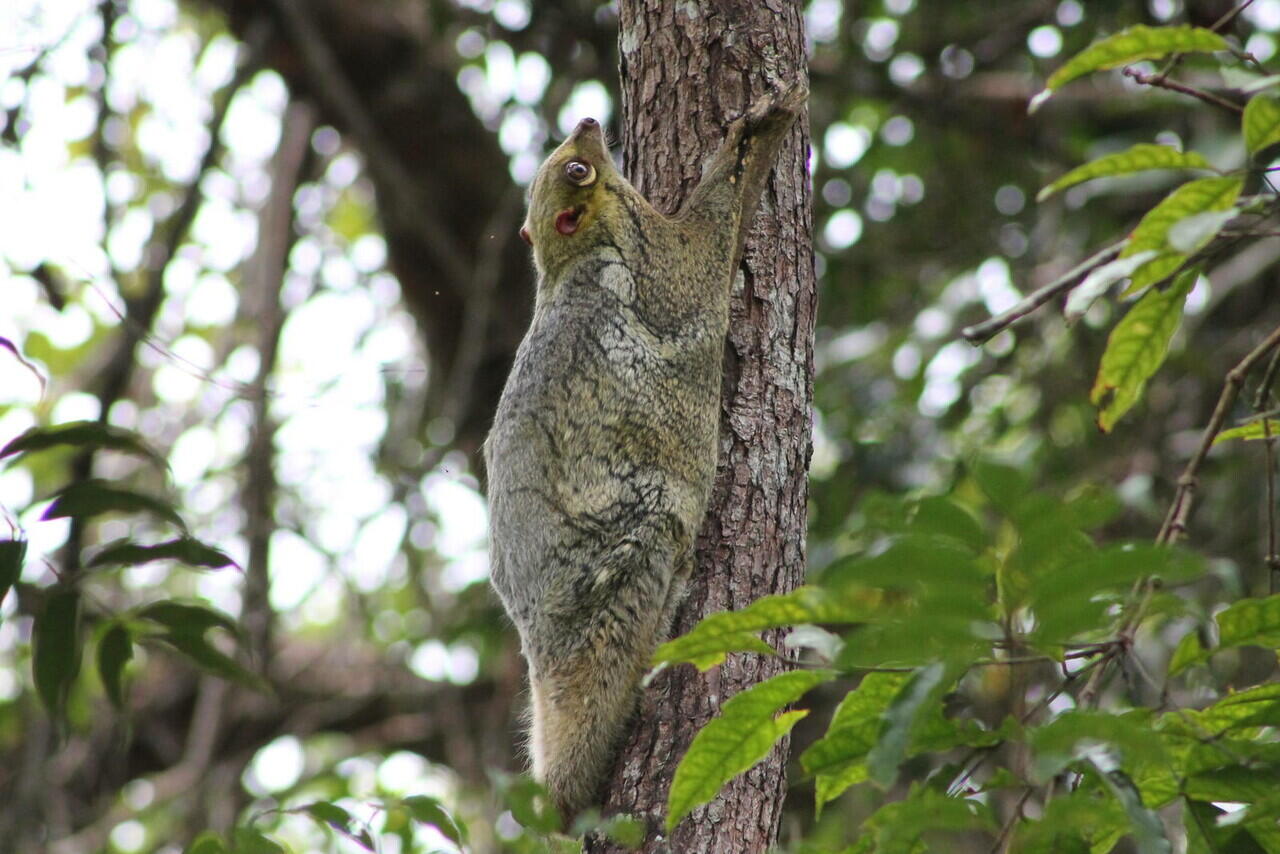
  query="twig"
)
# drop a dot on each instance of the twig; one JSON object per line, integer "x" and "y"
{"x": 1230, "y": 16}
{"x": 982, "y": 332}
{"x": 1269, "y": 451}
{"x": 108, "y": 12}
{"x": 1217, "y": 26}
{"x": 1176, "y": 519}
{"x": 1260, "y": 402}
{"x": 1014, "y": 815}
{"x": 980, "y": 754}
{"x": 264, "y": 276}
{"x": 1093, "y": 688}
{"x": 1160, "y": 82}
{"x": 175, "y": 781}
{"x": 1234, "y": 232}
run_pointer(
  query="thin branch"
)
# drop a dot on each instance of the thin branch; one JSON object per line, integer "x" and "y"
{"x": 1004, "y": 839}
{"x": 174, "y": 782}
{"x": 1230, "y": 15}
{"x": 1216, "y": 26}
{"x": 1160, "y": 82}
{"x": 1260, "y": 401}
{"x": 264, "y": 277}
{"x": 1273, "y": 556}
{"x": 982, "y": 332}
{"x": 979, "y": 755}
{"x": 1176, "y": 519}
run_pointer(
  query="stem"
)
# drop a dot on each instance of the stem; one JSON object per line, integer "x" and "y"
{"x": 982, "y": 332}
{"x": 1176, "y": 520}
{"x": 1260, "y": 402}
{"x": 1160, "y": 82}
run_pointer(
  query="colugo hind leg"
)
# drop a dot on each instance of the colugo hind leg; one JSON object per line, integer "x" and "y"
{"x": 585, "y": 689}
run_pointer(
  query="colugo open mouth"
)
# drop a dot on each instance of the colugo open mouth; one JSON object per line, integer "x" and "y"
{"x": 567, "y": 220}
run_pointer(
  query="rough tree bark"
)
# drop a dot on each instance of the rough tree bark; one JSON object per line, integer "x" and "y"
{"x": 688, "y": 69}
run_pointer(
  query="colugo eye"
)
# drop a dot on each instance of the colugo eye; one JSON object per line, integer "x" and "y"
{"x": 580, "y": 172}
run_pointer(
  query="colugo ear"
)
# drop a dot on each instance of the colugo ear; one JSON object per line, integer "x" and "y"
{"x": 524, "y": 235}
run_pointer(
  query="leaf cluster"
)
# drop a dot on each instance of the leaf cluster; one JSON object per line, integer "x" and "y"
{"x": 67, "y": 617}
{"x": 961, "y": 598}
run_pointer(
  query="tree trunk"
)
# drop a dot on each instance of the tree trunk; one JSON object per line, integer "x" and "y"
{"x": 687, "y": 70}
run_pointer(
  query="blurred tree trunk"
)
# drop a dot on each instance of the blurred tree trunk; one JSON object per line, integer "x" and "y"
{"x": 446, "y": 203}
{"x": 687, "y": 70}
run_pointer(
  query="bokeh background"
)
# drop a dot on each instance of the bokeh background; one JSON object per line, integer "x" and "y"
{"x": 280, "y": 242}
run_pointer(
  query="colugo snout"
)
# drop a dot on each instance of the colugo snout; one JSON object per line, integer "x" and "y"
{"x": 579, "y": 173}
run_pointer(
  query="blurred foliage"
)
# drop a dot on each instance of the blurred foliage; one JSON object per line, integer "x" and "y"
{"x": 993, "y": 654}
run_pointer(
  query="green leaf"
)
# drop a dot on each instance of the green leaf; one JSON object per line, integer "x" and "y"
{"x": 897, "y": 827}
{"x": 1254, "y": 622}
{"x": 735, "y": 631}
{"x": 1205, "y": 834}
{"x": 891, "y": 746}
{"x": 528, "y": 802}
{"x": 207, "y": 843}
{"x": 1073, "y": 735}
{"x": 428, "y": 810}
{"x": 82, "y": 434}
{"x": 326, "y": 813}
{"x": 187, "y": 550}
{"x": 1134, "y": 44}
{"x": 1189, "y": 234}
{"x": 196, "y": 647}
{"x": 1268, "y": 428}
{"x": 1261, "y": 123}
{"x": 1153, "y": 231}
{"x": 1091, "y": 506}
{"x": 943, "y": 517}
{"x": 252, "y": 842}
{"x": 1071, "y": 599}
{"x": 1258, "y": 706}
{"x": 1004, "y": 485}
{"x": 185, "y": 627}
{"x": 838, "y": 758}
{"x": 916, "y": 563}
{"x": 186, "y": 616}
{"x": 12, "y": 555}
{"x": 337, "y": 818}
{"x": 1233, "y": 783}
{"x": 115, "y": 650}
{"x": 1249, "y": 622}
{"x": 1148, "y": 831}
{"x": 1140, "y": 158}
{"x": 56, "y": 647}
{"x": 624, "y": 830}
{"x": 17, "y": 354}
{"x": 744, "y": 732}
{"x": 88, "y": 498}
{"x": 1099, "y": 281}
{"x": 1245, "y": 81}
{"x": 1073, "y": 823}
{"x": 1188, "y": 652}
{"x": 1135, "y": 350}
